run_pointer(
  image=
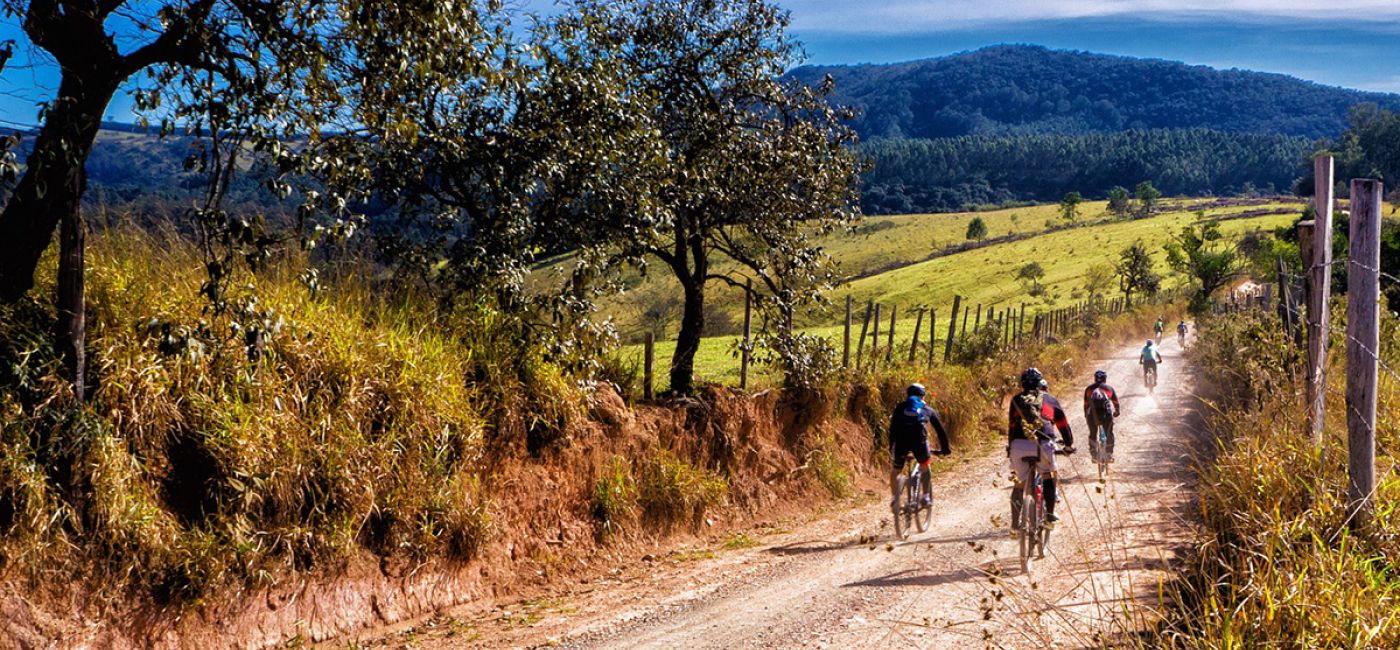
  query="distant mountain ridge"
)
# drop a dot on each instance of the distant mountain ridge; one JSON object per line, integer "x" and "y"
{"x": 1027, "y": 89}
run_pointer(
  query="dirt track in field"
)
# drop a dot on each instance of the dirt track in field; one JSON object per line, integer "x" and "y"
{"x": 843, "y": 581}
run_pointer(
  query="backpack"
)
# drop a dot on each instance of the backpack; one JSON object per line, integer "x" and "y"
{"x": 1031, "y": 409}
{"x": 1100, "y": 404}
{"x": 908, "y": 422}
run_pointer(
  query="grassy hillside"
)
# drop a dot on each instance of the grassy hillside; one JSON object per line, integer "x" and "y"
{"x": 983, "y": 276}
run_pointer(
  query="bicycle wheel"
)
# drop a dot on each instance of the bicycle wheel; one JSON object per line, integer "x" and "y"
{"x": 924, "y": 515}
{"x": 901, "y": 508}
{"x": 1027, "y": 529}
{"x": 1102, "y": 437}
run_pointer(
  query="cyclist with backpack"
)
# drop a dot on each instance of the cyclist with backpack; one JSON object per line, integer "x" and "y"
{"x": 909, "y": 434}
{"x": 1158, "y": 328}
{"x": 1181, "y": 332}
{"x": 1100, "y": 408}
{"x": 1032, "y": 422}
{"x": 1149, "y": 359}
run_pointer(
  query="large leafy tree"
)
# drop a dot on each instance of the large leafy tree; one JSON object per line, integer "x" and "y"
{"x": 249, "y": 74}
{"x": 1202, "y": 254}
{"x": 753, "y": 165}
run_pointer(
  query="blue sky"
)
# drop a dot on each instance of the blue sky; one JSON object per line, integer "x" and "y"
{"x": 1318, "y": 41}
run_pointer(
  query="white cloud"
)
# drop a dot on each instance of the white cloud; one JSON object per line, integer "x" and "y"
{"x": 914, "y": 15}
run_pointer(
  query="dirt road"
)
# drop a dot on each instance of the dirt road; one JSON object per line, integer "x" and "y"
{"x": 843, "y": 581}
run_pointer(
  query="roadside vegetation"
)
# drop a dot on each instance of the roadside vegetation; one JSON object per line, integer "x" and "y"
{"x": 1277, "y": 563}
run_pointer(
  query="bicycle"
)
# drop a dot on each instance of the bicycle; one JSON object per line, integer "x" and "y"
{"x": 909, "y": 507}
{"x": 1101, "y": 456}
{"x": 1149, "y": 377}
{"x": 1034, "y": 533}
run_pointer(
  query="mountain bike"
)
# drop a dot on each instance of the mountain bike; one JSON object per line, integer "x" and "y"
{"x": 1149, "y": 376}
{"x": 1034, "y": 533}
{"x": 1101, "y": 455}
{"x": 909, "y": 508}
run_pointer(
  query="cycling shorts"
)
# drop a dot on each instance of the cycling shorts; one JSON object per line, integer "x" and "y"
{"x": 1021, "y": 448}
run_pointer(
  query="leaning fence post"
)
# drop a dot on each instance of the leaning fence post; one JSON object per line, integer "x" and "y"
{"x": 875, "y": 338}
{"x": 1363, "y": 346}
{"x": 1021, "y": 326}
{"x": 932, "y": 334}
{"x": 952, "y": 330}
{"x": 648, "y": 356}
{"x": 864, "y": 326}
{"x": 914, "y": 342}
{"x": 846, "y": 337}
{"x": 1316, "y": 241}
{"x": 976, "y": 321}
{"x": 889, "y": 344}
{"x": 748, "y": 331}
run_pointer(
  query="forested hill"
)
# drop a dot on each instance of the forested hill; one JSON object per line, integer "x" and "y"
{"x": 1006, "y": 90}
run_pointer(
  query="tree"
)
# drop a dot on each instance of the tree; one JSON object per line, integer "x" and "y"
{"x": 976, "y": 229}
{"x": 1201, "y": 253}
{"x": 243, "y": 72}
{"x": 1030, "y": 274}
{"x": 1135, "y": 274}
{"x": 1069, "y": 206}
{"x": 1098, "y": 278}
{"x": 1147, "y": 196}
{"x": 1119, "y": 202}
{"x": 753, "y": 165}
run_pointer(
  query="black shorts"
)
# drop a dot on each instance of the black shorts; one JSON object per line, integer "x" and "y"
{"x": 901, "y": 447}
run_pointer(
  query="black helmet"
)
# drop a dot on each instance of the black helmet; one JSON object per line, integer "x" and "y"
{"x": 915, "y": 390}
{"x": 1100, "y": 376}
{"x": 1030, "y": 379}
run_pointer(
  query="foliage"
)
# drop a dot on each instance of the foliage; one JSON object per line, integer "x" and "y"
{"x": 1069, "y": 206}
{"x": 1119, "y": 202}
{"x": 1136, "y": 274}
{"x": 1030, "y": 274}
{"x": 1200, "y": 253}
{"x": 1098, "y": 281}
{"x": 976, "y": 229}
{"x": 614, "y": 495}
{"x": 827, "y": 467}
{"x": 1146, "y": 195}
{"x": 911, "y": 175}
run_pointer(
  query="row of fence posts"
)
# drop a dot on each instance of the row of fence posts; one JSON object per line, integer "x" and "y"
{"x": 1305, "y": 314}
{"x": 1009, "y": 323}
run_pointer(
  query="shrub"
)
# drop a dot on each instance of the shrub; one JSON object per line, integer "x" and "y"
{"x": 673, "y": 491}
{"x": 614, "y": 495}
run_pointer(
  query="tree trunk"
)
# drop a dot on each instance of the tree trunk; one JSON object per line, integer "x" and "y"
{"x": 49, "y": 194}
{"x": 688, "y": 341}
{"x": 52, "y": 185}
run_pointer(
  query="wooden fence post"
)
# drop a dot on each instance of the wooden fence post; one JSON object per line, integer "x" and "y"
{"x": 952, "y": 330}
{"x": 1317, "y": 256}
{"x": 932, "y": 334}
{"x": 889, "y": 344}
{"x": 748, "y": 331}
{"x": 648, "y": 357}
{"x": 963, "y": 331}
{"x": 1285, "y": 299}
{"x": 1021, "y": 326}
{"x": 846, "y": 337}
{"x": 864, "y": 326}
{"x": 875, "y": 338}
{"x": 977, "y": 320}
{"x": 1363, "y": 346}
{"x": 914, "y": 342}
{"x": 1006, "y": 328}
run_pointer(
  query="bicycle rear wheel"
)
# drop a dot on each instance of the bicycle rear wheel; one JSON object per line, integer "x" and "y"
{"x": 1027, "y": 536}
{"x": 901, "y": 508}
{"x": 924, "y": 515}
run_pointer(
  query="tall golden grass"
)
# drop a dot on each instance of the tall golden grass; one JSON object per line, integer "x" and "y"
{"x": 1277, "y": 564}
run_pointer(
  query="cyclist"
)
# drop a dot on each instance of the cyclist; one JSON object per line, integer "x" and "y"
{"x": 1100, "y": 407}
{"x": 1031, "y": 426}
{"x": 1059, "y": 417}
{"x": 1181, "y": 332}
{"x": 1158, "y": 328}
{"x": 1149, "y": 359}
{"x": 908, "y": 433}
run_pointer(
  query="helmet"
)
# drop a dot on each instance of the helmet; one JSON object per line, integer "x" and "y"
{"x": 915, "y": 390}
{"x": 1030, "y": 379}
{"x": 1044, "y": 385}
{"x": 1149, "y": 341}
{"x": 1100, "y": 376}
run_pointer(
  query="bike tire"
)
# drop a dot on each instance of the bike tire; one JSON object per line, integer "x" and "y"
{"x": 924, "y": 516}
{"x": 901, "y": 515}
{"x": 1028, "y": 525}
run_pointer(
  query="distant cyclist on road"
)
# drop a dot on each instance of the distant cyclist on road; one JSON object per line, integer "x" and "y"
{"x": 1100, "y": 408}
{"x": 1181, "y": 332}
{"x": 1158, "y": 328}
{"x": 1031, "y": 427}
{"x": 1150, "y": 358}
{"x": 909, "y": 434}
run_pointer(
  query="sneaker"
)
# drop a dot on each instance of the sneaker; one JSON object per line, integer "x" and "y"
{"x": 1051, "y": 517}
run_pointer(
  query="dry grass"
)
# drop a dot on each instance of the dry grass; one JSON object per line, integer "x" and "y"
{"x": 1277, "y": 564}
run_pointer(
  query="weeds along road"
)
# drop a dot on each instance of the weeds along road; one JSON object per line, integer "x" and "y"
{"x": 846, "y": 582}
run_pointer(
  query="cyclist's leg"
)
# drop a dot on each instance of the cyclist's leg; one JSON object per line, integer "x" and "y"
{"x": 1108, "y": 437}
{"x": 896, "y": 468}
{"x": 1021, "y": 476}
{"x": 1091, "y": 419}
{"x": 1048, "y": 469}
